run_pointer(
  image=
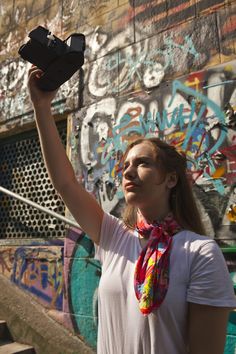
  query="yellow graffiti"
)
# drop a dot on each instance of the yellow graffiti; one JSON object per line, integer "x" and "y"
{"x": 229, "y": 68}
{"x": 194, "y": 83}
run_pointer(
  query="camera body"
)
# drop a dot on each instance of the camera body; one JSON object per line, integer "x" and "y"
{"x": 58, "y": 59}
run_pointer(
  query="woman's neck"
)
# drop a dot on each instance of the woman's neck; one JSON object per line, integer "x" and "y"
{"x": 153, "y": 215}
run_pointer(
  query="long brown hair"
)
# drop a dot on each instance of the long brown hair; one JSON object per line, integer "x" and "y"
{"x": 182, "y": 202}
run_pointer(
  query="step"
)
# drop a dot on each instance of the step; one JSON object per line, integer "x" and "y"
{"x": 14, "y": 347}
{"x": 4, "y": 331}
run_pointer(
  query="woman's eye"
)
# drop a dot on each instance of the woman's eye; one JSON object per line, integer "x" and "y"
{"x": 143, "y": 163}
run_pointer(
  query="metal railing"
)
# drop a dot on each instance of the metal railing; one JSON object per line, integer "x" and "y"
{"x": 39, "y": 207}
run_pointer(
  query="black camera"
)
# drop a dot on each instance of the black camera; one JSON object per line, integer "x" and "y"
{"x": 58, "y": 59}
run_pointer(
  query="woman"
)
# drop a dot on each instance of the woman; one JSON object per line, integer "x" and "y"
{"x": 165, "y": 288}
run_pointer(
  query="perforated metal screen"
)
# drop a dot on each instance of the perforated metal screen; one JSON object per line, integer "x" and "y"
{"x": 22, "y": 171}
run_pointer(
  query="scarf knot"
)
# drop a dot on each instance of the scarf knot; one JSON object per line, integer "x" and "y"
{"x": 151, "y": 278}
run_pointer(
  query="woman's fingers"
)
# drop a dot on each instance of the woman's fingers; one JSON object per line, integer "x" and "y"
{"x": 36, "y": 94}
{"x": 32, "y": 69}
{"x": 35, "y": 71}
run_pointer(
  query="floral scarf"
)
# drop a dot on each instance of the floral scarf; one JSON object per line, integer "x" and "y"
{"x": 151, "y": 276}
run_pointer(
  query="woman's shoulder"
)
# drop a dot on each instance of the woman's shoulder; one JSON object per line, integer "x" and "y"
{"x": 201, "y": 255}
{"x": 115, "y": 237}
{"x": 192, "y": 236}
{"x": 195, "y": 243}
{"x": 113, "y": 229}
{"x": 112, "y": 220}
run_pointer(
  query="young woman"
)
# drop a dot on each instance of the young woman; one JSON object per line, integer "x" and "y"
{"x": 165, "y": 287}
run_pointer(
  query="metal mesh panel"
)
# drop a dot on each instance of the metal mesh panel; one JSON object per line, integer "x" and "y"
{"x": 22, "y": 171}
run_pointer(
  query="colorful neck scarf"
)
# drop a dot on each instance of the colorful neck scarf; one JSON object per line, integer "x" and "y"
{"x": 151, "y": 278}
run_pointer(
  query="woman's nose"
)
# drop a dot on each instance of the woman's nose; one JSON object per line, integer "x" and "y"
{"x": 129, "y": 172}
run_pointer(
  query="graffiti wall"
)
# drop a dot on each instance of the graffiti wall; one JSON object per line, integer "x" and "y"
{"x": 36, "y": 269}
{"x": 131, "y": 46}
{"x": 82, "y": 274}
{"x": 194, "y": 113}
{"x": 152, "y": 68}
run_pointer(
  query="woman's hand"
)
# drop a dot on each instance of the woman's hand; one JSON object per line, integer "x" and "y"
{"x": 38, "y": 97}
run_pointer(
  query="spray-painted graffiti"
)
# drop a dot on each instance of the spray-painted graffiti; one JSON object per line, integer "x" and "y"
{"x": 231, "y": 215}
{"x": 144, "y": 64}
{"x": 117, "y": 63}
{"x": 82, "y": 277}
{"x": 136, "y": 55}
{"x": 191, "y": 114}
{"x": 39, "y": 270}
{"x": 14, "y": 96}
{"x": 197, "y": 116}
{"x": 36, "y": 272}
{"x": 6, "y": 261}
{"x": 13, "y": 23}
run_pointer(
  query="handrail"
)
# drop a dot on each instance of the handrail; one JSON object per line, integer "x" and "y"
{"x": 39, "y": 207}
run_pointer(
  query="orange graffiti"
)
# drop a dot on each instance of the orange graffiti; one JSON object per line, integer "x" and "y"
{"x": 134, "y": 114}
{"x": 231, "y": 214}
{"x": 219, "y": 172}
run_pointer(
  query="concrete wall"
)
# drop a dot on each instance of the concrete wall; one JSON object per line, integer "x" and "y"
{"x": 164, "y": 68}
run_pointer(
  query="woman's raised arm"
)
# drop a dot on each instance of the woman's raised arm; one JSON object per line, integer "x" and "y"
{"x": 82, "y": 205}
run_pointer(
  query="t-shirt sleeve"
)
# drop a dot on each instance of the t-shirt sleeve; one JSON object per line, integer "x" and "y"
{"x": 110, "y": 232}
{"x": 210, "y": 282}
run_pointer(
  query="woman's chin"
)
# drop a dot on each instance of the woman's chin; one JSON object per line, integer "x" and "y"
{"x": 131, "y": 199}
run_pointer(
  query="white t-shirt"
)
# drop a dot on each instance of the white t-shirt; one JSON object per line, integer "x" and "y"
{"x": 198, "y": 273}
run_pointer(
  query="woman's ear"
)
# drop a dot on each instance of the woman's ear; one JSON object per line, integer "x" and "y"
{"x": 171, "y": 180}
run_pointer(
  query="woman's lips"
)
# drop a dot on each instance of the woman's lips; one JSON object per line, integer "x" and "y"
{"x": 130, "y": 186}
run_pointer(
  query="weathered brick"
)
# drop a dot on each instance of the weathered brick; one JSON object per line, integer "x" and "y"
{"x": 208, "y": 6}
{"x": 5, "y": 16}
{"x": 77, "y": 14}
{"x": 227, "y": 33}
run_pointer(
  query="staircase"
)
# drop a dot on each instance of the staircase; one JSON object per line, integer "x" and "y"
{"x": 7, "y": 344}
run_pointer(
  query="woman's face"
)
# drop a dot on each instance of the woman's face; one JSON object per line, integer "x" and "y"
{"x": 144, "y": 183}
